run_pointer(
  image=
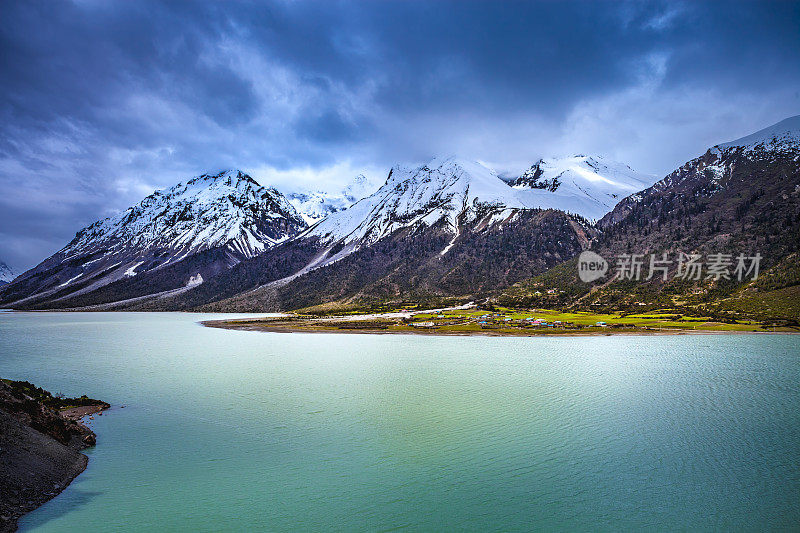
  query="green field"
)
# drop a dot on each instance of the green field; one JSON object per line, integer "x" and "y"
{"x": 496, "y": 320}
{"x": 508, "y": 321}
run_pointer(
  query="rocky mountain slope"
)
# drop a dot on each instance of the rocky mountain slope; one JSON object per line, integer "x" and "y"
{"x": 409, "y": 266}
{"x": 740, "y": 197}
{"x": 212, "y": 221}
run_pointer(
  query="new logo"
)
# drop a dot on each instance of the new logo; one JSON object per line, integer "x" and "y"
{"x": 591, "y": 266}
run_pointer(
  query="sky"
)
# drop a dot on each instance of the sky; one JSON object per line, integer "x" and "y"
{"x": 103, "y": 102}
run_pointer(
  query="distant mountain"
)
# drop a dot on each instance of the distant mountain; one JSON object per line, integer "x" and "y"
{"x": 739, "y": 197}
{"x": 227, "y": 217}
{"x": 7, "y": 274}
{"x": 313, "y": 206}
{"x": 449, "y": 227}
{"x": 360, "y": 187}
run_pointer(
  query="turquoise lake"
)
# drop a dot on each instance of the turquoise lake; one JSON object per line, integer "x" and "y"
{"x": 244, "y": 431}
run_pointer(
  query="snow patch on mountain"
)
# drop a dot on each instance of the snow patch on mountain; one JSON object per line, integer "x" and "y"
{"x": 70, "y": 280}
{"x": 132, "y": 270}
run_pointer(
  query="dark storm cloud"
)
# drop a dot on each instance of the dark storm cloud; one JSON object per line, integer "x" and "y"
{"x": 102, "y": 102}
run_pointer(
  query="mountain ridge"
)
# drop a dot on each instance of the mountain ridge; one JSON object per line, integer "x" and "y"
{"x": 454, "y": 228}
{"x": 586, "y": 185}
{"x": 460, "y": 190}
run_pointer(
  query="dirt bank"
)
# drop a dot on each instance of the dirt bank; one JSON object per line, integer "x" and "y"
{"x": 39, "y": 451}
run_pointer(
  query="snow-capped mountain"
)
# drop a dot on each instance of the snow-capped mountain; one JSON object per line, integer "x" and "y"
{"x": 449, "y": 227}
{"x": 456, "y": 190}
{"x": 740, "y": 198}
{"x": 360, "y": 187}
{"x": 313, "y": 206}
{"x": 461, "y": 191}
{"x": 228, "y": 211}
{"x": 589, "y": 186}
{"x": 765, "y": 146}
{"x": 713, "y": 170}
{"x": 7, "y": 274}
{"x": 316, "y": 205}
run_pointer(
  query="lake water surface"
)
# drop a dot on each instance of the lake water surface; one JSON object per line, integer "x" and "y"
{"x": 233, "y": 430}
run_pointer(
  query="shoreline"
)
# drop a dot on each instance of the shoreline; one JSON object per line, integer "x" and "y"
{"x": 243, "y": 326}
{"x": 79, "y": 413}
{"x": 273, "y": 325}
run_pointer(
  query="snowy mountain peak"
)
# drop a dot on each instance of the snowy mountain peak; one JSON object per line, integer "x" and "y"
{"x": 226, "y": 209}
{"x": 785, "y": 135}
{"x": 587, "y": 185}
{"x": 448, "y": 188}
{"x": 7, "y": 274}
{"x": 359, "y": 188}
{"x": 231, "y": 178}
{"x": 460, "y": 191}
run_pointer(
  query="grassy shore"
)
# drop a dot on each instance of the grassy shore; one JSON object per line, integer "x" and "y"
{"x": 498, "y": 321}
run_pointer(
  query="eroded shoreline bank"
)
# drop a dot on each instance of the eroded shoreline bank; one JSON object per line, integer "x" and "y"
{"x": 40, "y": 446}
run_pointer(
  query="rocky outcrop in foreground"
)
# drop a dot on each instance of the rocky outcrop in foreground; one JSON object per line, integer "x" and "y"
{"x": 39, "y": 447}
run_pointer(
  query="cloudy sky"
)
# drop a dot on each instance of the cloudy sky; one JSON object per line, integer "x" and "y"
{"x": 102, "y": 102}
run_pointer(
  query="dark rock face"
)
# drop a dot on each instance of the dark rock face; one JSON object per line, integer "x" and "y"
{"x": 532, "y": 178}
{"x": 39, "y": 454}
